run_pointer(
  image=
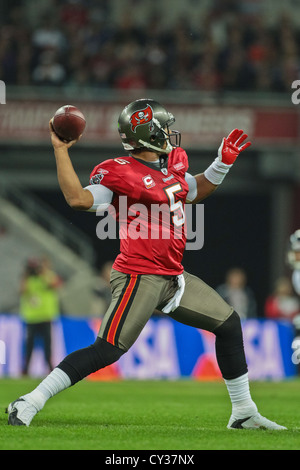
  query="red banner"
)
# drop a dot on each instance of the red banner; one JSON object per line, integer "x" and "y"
{"x": 201, "y": 126}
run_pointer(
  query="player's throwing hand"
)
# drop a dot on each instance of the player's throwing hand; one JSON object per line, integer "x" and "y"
{"x": 56, "y": 141}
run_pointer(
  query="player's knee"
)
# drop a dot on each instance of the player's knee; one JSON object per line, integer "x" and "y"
{"x": 107, "y": 352}
{"x": 230, "y": 328}
{"x": 83, "y": 362}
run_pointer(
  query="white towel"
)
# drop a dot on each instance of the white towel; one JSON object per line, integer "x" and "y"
{"x": 175, "y": 301}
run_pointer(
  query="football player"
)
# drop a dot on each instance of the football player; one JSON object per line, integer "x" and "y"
{"x": 148, "y": 275}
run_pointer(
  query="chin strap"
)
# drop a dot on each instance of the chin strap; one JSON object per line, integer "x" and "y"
{"x": 163, "y": 161}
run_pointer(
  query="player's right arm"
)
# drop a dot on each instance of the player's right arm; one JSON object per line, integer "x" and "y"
{"x": 76, "y": 196}
{"x": 91, "y": 198}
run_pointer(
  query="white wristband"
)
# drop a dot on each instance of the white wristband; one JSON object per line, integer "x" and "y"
{"x": 217, "y": 171}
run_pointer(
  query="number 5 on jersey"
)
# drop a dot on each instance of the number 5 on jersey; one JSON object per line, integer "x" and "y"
{"x": 176, "y": 207}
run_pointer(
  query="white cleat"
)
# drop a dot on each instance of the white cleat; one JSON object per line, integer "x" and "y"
{"x": 255, "y": 421}
{"x": 20, "y": 412}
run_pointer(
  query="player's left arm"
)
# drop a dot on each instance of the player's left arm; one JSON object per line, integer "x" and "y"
{"x": 202, "y": 188}
{"x": 210, "y": 180}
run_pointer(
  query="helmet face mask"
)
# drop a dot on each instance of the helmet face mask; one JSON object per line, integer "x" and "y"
{"x": 145, "y": 124}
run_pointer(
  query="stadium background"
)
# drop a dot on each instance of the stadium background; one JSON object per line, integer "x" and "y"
{"x": 216, "y": 64}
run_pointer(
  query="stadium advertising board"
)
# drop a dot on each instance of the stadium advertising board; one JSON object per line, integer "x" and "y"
{"x": 206, "y": 125}
{"x": 164, "y": 350}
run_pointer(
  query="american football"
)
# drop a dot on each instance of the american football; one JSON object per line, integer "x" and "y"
{"x": 68, "y": 123}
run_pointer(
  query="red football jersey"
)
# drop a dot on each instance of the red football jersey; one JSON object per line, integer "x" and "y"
{"x": 149, "y": 206}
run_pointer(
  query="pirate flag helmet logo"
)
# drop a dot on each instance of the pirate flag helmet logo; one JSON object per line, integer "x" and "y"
{"x": 141, "y": 117}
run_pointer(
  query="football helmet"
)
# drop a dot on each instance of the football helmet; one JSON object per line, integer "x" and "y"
{"x": 145, "y": 123}
{"x": 293, "y": 258}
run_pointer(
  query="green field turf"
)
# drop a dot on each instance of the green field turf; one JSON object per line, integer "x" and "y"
{"x": 150, "y": 415}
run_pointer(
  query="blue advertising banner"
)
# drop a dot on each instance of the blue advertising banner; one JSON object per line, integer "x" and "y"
{"x": 165, "y": 349}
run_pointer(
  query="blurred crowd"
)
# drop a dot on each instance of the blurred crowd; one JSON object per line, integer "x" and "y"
{"x": 282, "y": 303}
{"x": 74, "y": 43}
